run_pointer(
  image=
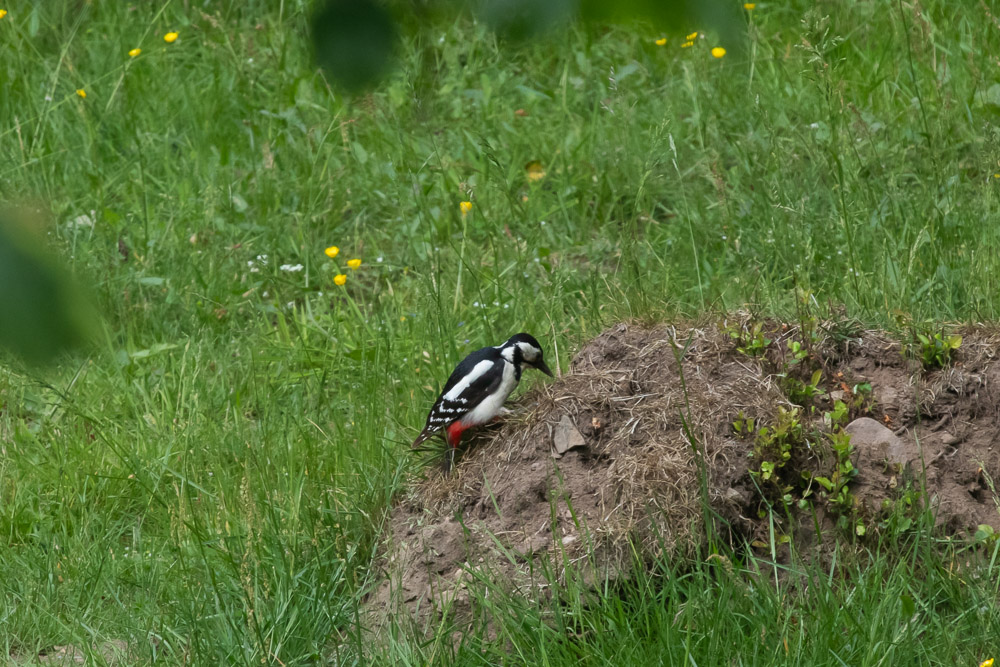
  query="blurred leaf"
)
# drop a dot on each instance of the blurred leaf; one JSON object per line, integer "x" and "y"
{"x": 153, "y": 351}
{"x": 991, "y": 98}
{"x": 359, "y": 152}
{"x": 359, "y": 354}
{"x": 522, "y": 19}
{"x": 907, "y": 606}
{"x": 677, "y": 16}
{"x": 984, "y": 532}
{"x": 42, "y": 311}
{"x": 353, "y": 41}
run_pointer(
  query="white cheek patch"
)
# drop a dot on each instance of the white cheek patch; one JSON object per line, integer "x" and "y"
{"x": 529, "y": 352}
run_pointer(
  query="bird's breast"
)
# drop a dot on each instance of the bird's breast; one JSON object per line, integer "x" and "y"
{"x": 490, "y": 406}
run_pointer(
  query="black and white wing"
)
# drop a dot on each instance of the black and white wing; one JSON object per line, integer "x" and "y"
{"x": 472, "y": 381}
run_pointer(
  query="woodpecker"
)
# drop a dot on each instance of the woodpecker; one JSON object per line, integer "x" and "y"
{"x": 477, "y": 388}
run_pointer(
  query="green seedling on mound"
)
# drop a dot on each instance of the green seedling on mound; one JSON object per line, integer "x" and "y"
{"x": 798, "y": 351}
{"x": 837, "y": 493}
{"x": 838, "y": 416}
{"x": 901, "y": 513}
{"x": 934, "y": 350}
{"x": 773, "y": 446}
{"x": 752, "y": 342}
{"x": 802, "y": 393}
{"x": 857, "y": 401}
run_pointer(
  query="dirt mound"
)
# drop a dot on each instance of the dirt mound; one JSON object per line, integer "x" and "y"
{"x": 655, "y": 429}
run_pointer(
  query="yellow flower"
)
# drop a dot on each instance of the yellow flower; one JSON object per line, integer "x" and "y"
{"x": 718, "y": 52}
{"x": 661, "y": 41}
{"x": 134, "y": 52}
{"x": 687, "y": 44}
{"x": 466, "y": 206}
{"x": 3, "y": 13}
{"x": 749, "y": 5}
{"x": 170, "y": 37}
{"x": 332, "y": 251}
{"x": 354, "y": 264}
{"x": 693, "y": 35}
{"x": 81, "y": 92}
{"x": 535, "y": 170}
{"x": 986, "y": 663}
{"x": 339, "y": 279}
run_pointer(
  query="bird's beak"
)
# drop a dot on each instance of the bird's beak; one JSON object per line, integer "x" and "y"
{"x": 543, "y": 368}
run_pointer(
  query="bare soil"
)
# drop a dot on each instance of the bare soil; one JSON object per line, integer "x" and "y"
{"x": 627, "y": 453}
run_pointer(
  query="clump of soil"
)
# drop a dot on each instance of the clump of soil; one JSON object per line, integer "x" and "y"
{"x": 625, "y": 454}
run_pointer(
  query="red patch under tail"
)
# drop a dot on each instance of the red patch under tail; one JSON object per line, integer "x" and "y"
{"x": 455, "y": 430}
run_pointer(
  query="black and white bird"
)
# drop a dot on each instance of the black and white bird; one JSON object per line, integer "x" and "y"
{"x": 478, "y": 387}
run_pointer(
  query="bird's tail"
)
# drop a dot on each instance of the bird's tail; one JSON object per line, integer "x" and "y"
{"x": 424, "y": 436}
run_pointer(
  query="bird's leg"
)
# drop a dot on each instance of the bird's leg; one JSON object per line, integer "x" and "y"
{"x": 504, "y": 412}
{"x": 454, "y": 432}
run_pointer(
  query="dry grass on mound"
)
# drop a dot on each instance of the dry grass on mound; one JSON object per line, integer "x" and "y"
{"x": 606, "y": 461}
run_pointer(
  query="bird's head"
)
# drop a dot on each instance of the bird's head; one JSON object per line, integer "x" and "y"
{"x": 523, "y": 349}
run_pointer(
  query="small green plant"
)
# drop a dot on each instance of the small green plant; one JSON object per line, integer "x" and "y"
{"x": 836, "y": 489}
{"x": 799, "y": 392}
{"x": 985, "y": 534}
{"x": 844, "y": 329}
{"x": 743, "y": 425}
{"x": 805, "y": 305}
{"x": 838, "y": 416}
{"x": 861, "y": 399}
{"x": 752, "y": 343}
{"x": 900, "y": 512}
{"x": 799, "y": 352}
{"x": 773, "y": 446}
{"x": 843, "y": 472}
{"x": 935, "y": 350}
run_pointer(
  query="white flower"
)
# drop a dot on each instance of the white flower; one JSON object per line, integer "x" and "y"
{"x": 80, "y": 221}
{"x": 291, "y": 268}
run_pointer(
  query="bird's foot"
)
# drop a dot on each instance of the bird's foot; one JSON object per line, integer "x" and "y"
{"x": 504, "y": 412}
{"x": 449, "y": 461}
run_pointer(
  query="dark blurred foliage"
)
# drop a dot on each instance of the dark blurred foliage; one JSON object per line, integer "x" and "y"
{"x": 354, "y": 40}
{"x": 43, "y": 312}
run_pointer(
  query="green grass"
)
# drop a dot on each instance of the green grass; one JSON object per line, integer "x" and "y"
{"x": 209, "y": 484}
